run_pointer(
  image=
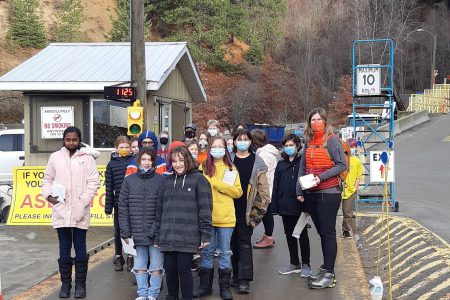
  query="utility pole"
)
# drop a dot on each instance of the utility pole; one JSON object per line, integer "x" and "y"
{"x": 138, "y": 51}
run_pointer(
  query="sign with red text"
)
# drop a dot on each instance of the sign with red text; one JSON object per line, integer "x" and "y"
{"x": 28, "y": 206}
{"x": 54, "y": 120}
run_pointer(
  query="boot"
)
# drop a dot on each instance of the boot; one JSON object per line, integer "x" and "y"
{"x": 224, "y": 284}
{"x": 205, "y": 285}
{"x": 130, "y": 262}
{"x": 81, "y": 268}
{"x": 65, "y": 271}
{"x": 119, "y": 263}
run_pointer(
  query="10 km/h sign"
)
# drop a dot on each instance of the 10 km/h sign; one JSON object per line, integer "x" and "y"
{"x": 368, "y": 81}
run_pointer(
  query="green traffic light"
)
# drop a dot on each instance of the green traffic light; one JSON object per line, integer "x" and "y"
{"x": 135, "y": 128}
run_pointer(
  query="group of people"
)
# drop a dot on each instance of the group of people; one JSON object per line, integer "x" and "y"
{"x": 204, "y": 194}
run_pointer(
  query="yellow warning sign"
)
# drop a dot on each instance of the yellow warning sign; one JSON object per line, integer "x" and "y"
{"x": 28, "y": 206}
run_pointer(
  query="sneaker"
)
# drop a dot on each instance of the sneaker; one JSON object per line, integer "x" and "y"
{"x": 244, "y": 287}
{"x": 318, "y": 273}
{"x": 346, "y": 234}
{"x": 290, "y": 269}
{"x": 265, "y": 242}
{"x": 326, "y": 280}
{"x": 306, "y": 271}
{"x": 141, "y": 298}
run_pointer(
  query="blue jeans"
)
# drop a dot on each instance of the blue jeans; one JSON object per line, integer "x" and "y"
{"x": 66, "y": 236}
{"x": 220, "y": 239}
{"x": 142, "y": 273}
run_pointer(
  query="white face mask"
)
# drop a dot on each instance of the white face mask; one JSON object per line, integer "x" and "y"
{"x": 213, "y": 132}
{"x": 354, "y": 151}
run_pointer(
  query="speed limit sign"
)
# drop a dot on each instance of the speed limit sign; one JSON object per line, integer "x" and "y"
{"x": 368, "y": 81}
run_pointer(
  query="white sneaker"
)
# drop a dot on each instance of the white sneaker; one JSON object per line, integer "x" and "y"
{"x": 290, "y": 269}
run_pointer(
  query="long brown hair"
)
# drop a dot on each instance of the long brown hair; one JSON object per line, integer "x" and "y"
{"x": 209, "y": 168}
{"x": 189, "y": 163}
{"x": 308, "y": 133}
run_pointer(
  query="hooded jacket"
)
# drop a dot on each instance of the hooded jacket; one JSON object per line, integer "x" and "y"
{"x": 183, "y": 218}
{"x": 284, "y": 197}
{"x": 79, "y": 175}
{"x": 160, "y": 162}
{"x": 114, "y": 175}
{"x": 269, "y": 154}
{"x": 137, "y": 206}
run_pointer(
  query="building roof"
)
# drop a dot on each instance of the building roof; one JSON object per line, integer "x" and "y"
{"x": 88, "y": 67}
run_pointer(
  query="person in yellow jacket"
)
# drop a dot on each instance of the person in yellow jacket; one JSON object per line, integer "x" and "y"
{"x": 226, "y": 186}
{"x": 352, "y": 181}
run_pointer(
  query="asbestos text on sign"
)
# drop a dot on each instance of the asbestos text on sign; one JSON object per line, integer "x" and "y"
{"x": 28, "y": 206}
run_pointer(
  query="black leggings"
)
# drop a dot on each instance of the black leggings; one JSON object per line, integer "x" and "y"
{"x": 268, "y": 221}
{"x": 117, "y": 240}
{"x": 289, "y": 223}
{"x": 178, "y": 272}
{"x": 323, "y": 209}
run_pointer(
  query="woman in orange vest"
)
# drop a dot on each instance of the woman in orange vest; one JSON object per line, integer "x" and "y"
{"x": 323, "y": 157}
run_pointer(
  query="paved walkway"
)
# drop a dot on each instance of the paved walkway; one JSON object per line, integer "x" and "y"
{"x": 105, "y": 283}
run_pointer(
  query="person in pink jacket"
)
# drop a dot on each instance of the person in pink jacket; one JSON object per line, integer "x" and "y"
{"x": 70, "y": 182}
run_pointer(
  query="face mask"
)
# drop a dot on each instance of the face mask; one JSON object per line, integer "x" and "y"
{"x": 202, "y": 144}
{"x": 217, "y": 152}
{"x": 143, "y": 171}
{"x": 213, "y": 132}
{"x": 194, "y": 156}
{"x": 354, "y": 151}
{"x": 164, "y": 140}
{"x": 230, "y": 149}
{"x": 242, "y": 145}
{"x": 318, "y": 126}
{"x": 290, "y": 151}
{"x": 123, "y": 152}
{"x": 189, "y": 134}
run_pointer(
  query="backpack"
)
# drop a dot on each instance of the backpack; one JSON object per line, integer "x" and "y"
{"x": 348, "y": 152}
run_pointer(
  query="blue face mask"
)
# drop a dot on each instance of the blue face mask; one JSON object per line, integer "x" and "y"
{"x": 230, "y": 149}
{"x": 217, "y": 152}
{"x": 290, "y": 151}
{"x": 194, "y": 156}
{"x": 242, "y": 145}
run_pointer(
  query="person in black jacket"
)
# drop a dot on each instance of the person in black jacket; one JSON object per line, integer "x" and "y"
{"x": 137, "y": 214}
{"x": 115, "y": 173}
{"x": 285, "y": 203}
{"x": 183, "y": 222}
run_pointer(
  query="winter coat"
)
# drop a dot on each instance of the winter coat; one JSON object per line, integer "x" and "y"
{"x": 284, "y": 198}
{"x": 160, "y": 162}
{"x": 258, "y": 196}
{"x": 114, "y": 175}
{"x": 223, "y": 194}
{"x": 79, "y": 175}
{"x": 137, "y": 206}
{"x": 184, "y": 213}
{"x": 269, "y": 154}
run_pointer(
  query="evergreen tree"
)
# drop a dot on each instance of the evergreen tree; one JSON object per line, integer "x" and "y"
{"x": 69, "y": 20}
{"x": 26, "y": 30}
{"x": 120, "y": 31}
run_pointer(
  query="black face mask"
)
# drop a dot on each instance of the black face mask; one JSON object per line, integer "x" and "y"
{"x": 190, "y": 134}
{"x": 164, "y": 140}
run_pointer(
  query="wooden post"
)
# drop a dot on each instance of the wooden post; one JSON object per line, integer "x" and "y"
{"x": 138, "y": 52}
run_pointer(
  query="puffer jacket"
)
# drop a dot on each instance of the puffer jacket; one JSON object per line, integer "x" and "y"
{"x": 223, "y": 194}
{"x": 160, "y": 162}
{"x": 269, "y": 154}
{"x": 79, "y": 175}
{"x": 137, "y": 206}
{"x": 284, "y": 197}
{"x": 184, "y": 213}
{"x": 258, "y": 196}
{"x": 114, "y": 175}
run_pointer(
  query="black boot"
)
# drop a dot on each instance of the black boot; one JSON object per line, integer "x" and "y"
{"x": 224, "y": 284}
{"x": 119, "y": 263}
{"x": 65, "y": 271}
{"x": 205, "y": 285}
{"x": 81, "y": 268}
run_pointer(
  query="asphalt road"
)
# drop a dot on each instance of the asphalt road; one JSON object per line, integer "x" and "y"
{"x": 423, "y": 174}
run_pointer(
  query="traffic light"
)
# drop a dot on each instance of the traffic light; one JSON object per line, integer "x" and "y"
{"x": 135, "y": 118}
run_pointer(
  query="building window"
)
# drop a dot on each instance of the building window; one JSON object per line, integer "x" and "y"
{"x": 109, "y": 120}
